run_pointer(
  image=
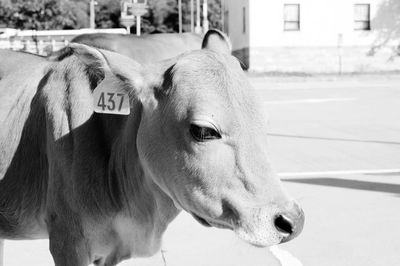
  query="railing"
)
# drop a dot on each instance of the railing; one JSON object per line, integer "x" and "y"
{"x": 40, "y": 47}
{"x": 46, "y": 42}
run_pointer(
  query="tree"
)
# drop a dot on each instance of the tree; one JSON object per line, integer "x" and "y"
{"x": 43, "y": 14}
{"x": 108, "y": 13}
{"x": 215, "y": 14}
{"x": 77, "y": 11}
{"x": 5, "y": 12}
{"x": 386, "y": 24}
{"x": 162, "y": 15}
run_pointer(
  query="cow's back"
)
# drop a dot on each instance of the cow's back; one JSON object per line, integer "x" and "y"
{"x": 22, "y": 161}
{"x": 144, "y": 49}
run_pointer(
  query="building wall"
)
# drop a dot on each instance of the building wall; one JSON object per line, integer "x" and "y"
{"x": 236, "y": 25}
{"x": 321, "y": 23}
{"x": 326, "y": 41}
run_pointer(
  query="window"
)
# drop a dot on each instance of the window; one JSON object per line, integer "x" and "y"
{"x": 362, "y": 17}
{"x": 244, "y": 20}
{"x": 291, "y": 16}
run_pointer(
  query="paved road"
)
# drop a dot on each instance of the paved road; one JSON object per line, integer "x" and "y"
{"x": 321, "y": 130}
{"x": 333, "y": 124}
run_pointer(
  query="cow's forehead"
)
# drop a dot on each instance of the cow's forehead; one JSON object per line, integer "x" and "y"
{"x": 206, "y": 62}
{"x": 214, "y": 85}
{"x": 204, "y": 71}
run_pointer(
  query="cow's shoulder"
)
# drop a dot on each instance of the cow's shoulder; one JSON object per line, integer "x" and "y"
{"x": 81, "y": 140}
{"x": 20, "y": 77}
{"x": 22, "y": 136}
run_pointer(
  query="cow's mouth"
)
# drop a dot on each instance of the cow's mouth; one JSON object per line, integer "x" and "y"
{"x": 202, "y": 221}
{"x": 211, "y": 223}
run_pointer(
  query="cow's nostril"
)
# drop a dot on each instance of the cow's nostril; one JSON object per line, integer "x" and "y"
{"x": 284, "y": 225}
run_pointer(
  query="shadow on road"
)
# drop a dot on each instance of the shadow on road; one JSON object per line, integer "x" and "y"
{"x": 346, "y": 183}
{"x": 384, "y": 174}
{"x": 334, "y": 139}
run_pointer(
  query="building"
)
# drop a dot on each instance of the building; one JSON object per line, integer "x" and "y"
{"x": 315, "y": 35}
{"x": 236, "y": 25}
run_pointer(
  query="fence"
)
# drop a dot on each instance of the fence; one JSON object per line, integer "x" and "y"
{"x": 41, "y": 47}
{"x": 46, "y": 42}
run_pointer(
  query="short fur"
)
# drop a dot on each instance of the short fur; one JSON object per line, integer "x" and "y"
{"x": 103, "y": 187}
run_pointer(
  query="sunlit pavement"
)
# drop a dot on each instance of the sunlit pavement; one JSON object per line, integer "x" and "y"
{"x": 325, "y": 125}
{"x": 351, "y": 220}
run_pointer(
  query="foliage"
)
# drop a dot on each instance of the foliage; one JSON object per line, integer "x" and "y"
{"x": 108, "y": 13}
{"x": 42, "y": 14}
{"x": 78, "y": 11}
{"x": 386, "y": 24}
{"x": 215, "y": 14}
{"x": 5, "y": 12}
{"x": 162, "y": 15}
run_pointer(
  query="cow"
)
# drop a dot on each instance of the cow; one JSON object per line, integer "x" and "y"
{"x": 102, "y": 178}
{"x": 144, "y": 49}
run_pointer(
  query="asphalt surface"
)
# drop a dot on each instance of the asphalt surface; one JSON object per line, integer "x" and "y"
{"x": 336, "y": 143}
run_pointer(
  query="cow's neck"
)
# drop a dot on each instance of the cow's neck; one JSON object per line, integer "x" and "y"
{"x": 130, "y": 186}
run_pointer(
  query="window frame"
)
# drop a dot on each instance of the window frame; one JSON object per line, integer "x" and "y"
{"x": 357, "y": 21}
{"x": 298, "y": 21}
{"x": 244, "y": 17}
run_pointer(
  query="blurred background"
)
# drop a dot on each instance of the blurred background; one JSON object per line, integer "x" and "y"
{"x": 304, "y": 36}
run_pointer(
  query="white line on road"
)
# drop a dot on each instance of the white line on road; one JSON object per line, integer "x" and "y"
{"x": 317, "y": 100}
{"x": 284, "y": 257}
{"x": 339, "y": 172}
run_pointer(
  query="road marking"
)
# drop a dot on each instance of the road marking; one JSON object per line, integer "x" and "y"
{"x": 317, "y": 100}
{"x": 284, "y": 257}
{"x": 163, "y": 251}
{"x": 339, "y": 172}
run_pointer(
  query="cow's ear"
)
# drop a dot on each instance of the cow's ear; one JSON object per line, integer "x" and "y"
{"x": 160, "y": 78}
{"x": 124, "y": 71}
{"x": 217, "y": 41}
{"x": 90, "y": 57}
{"x": 86, "y": 54}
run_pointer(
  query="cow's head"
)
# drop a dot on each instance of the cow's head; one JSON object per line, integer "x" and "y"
{"x": 203, "y": 140}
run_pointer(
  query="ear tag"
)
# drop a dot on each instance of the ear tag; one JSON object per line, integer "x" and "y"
{"x": 108, "y": 100}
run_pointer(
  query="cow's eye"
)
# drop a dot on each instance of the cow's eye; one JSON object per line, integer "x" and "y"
{"x": 201, "y": 133}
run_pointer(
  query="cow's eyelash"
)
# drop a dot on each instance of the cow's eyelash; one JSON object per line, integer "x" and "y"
{"x": 203, "y": 133}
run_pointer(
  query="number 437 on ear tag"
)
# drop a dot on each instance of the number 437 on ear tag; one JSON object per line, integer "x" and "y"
{"x": 107, "y": 100}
